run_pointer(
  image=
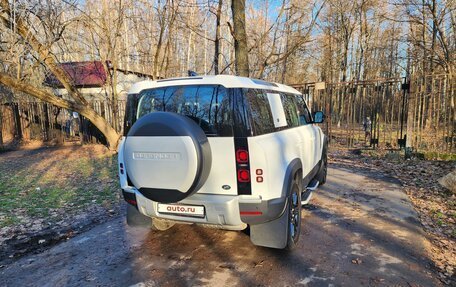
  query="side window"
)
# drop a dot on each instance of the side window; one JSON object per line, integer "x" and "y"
{"x": 291, "y": 109}
{"x": 259, "y": 111}
{"x": 303, "y": 112}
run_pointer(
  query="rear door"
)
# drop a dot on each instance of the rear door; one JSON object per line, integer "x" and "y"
{"x": 311, "y": 132}
{"x": 210, "y": 106}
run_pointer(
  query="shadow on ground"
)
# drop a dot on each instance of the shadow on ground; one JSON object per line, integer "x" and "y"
{"x": 359, "y": 230}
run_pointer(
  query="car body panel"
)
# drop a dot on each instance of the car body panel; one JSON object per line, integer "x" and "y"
{"x": 274, "y": 159}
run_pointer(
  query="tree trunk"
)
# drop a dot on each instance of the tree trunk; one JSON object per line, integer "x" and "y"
{"x": 287, "y": 35}
{"x": 1, "y": 126}
{"x": 240, "y": 38}
{"x": 217, "y": 39}
{"x": 17, "y": 122}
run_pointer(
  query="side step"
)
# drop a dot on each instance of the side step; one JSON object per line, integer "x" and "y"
{"x": 307, "y": 194}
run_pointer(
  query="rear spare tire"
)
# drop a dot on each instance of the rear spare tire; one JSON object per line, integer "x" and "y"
{"x": 167, "y": 156}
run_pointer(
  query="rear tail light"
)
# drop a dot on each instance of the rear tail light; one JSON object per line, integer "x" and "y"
{"x": 242, "y": 156}
{"x": 241, "y": 148}
{"x": 243, "y": 175}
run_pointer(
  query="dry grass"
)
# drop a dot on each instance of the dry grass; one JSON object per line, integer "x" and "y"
{"x": 50, "y": 183}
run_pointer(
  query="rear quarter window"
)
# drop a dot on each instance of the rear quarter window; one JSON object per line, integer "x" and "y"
{"x": 260, "y": 112}
{"x": 290, "y": 107}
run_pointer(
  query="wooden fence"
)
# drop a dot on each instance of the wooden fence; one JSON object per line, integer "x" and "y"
{"x": 42, "y": 121}
{"x": 419, "y": 111}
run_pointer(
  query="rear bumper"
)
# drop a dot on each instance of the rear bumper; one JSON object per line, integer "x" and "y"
{"x": 222, "y": 211}
{"x": 261, "y": 211}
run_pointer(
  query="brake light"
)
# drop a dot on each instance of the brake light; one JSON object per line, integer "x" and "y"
{"x": 242, "y": 156}
{"x": 243, "y": 175}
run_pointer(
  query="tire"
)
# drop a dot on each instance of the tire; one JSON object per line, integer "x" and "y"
{"x": 294, "y": 216}
{"x": 167, "y": 156}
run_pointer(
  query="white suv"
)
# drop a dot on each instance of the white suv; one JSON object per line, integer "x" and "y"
{"x": 221, "y": 151}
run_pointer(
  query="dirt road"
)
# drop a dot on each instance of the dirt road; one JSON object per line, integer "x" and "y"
{"x": 359, "y": 230}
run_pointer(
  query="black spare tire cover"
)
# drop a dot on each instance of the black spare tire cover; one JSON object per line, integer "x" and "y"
{"x": 167, "y": 156}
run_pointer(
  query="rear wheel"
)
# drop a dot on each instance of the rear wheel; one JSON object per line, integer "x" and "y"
{"x": 294, "y": 216}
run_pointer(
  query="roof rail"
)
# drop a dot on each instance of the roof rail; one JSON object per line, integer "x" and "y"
{"x": 264, "y": 83}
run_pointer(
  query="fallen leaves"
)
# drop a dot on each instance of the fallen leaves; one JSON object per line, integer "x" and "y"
{"x": 430, "y": 186}
{"x": 356, "y": 261}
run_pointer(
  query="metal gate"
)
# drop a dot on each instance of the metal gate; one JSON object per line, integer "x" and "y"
{"x": 375, "y": 113}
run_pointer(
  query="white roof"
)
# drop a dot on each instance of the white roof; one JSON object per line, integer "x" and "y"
{"x": 227, "y": 81}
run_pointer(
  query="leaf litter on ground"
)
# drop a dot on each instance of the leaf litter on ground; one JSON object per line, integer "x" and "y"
{"x": 429, "y": 185}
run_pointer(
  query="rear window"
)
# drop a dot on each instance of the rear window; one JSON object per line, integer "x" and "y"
{"x": 207, "y": 105}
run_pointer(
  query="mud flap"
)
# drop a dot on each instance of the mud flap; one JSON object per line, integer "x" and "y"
{"x": 272, "y": 234}
{"x": 136, "y": 218}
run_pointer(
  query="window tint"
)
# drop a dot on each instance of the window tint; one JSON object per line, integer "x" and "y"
{"x": 291, "y": 110}
{"x": 130, "y": 112}
{"x": 260, "y": 112}
{"x": 242, "y": 126}
{"x": 303, "y": 112}
{"x": 207, "y": 105}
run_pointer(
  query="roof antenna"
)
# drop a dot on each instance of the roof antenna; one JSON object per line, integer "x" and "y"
{"x": 192, "y": 73}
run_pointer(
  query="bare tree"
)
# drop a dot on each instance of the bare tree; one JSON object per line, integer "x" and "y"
{"x": 17, "y": 24}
